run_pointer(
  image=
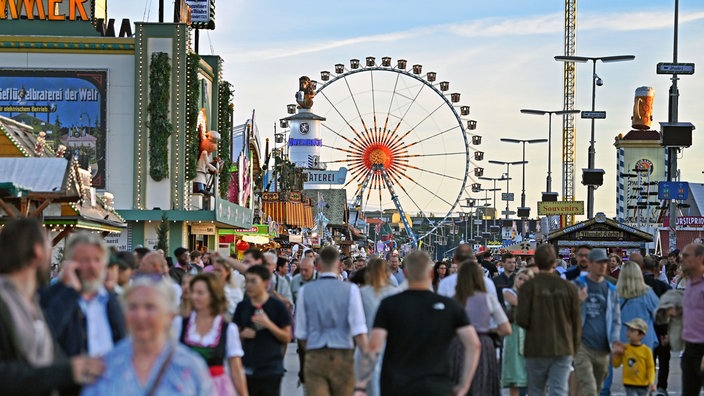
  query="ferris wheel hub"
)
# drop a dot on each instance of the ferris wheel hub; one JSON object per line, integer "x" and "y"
{"x": 377, "y": 154}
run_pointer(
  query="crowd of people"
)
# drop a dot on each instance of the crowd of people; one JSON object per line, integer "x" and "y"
{"x": 108, "y": 322}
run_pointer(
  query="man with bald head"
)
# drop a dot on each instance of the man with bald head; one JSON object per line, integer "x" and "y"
{"x": 417, "y": 326}
{"x": 155, "y": 264}
{"x": 307, "y": 273}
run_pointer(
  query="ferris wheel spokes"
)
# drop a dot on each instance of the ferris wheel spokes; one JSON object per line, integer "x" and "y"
{"x": 398, "y": 151}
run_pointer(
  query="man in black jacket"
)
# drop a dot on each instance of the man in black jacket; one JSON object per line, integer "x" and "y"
{"x": 30, "y": 361}
{"x": 506, "y": 278}
{"x": 84, "y": 316}
{"x": 661, "y": 353}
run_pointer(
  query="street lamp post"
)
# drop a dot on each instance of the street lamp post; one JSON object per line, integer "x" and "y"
{"x": 495, "y": 179}
{"x": 525, "y": 210}
{"x": 486, "y": 203}
{"x": 548, "y": 181}
{"x": 508, "y": 176}
{"x": 596, "y": 80}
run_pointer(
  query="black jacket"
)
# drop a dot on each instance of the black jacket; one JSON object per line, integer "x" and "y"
{"x": 67, "y": 322}
{"x": 659, "y": 287}
{"x": 18, "y": 377}
{"x": 502, "y": 282}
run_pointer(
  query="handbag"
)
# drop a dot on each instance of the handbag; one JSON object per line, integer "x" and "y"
{"x": 160, "y": 374}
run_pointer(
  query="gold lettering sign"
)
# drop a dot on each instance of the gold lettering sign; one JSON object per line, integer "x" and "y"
{"x": 600, "y": 235}
{"x": 546, "y": 208}
{"x": 14, "y": 9}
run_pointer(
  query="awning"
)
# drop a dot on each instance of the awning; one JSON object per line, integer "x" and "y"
{"x": 225, "y": 215}
{"x": 289, "y": 213}
{"x": 59, "y": 223}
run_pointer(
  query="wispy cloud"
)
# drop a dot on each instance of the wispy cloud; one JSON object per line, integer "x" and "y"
{"x": 285, "y": 50}
{"x": 636, "y": 20}
{"x": 487, "y": 27}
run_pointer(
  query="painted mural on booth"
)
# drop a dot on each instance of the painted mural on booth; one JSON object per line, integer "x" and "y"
{"x": 68, "y": 105}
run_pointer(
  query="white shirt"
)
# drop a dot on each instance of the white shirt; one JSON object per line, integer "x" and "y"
{"x": 449, "y": 283}
{"x": 98, "y": 330}
{"x": 233, "y": 345}
{"x": 355, "y": 315}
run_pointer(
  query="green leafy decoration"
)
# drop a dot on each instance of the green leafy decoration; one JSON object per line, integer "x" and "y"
{"x": 192, "y": 96}
{"x": 225, "y": 127}
{"x": 160, "y": 127}
{"x": 162, "y": 233}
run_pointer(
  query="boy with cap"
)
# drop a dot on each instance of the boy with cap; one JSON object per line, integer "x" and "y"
{"x": 637, "y": 360}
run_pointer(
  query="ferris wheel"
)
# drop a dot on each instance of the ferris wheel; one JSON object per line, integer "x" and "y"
{"x": 402, "y": 135}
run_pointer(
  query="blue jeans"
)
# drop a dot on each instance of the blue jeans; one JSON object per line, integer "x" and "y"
{"x": 549, "y": 372}
{"x": 635, "y": 391}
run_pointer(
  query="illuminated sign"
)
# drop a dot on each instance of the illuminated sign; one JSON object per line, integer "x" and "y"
{"x": 68, "y": 105}
{"x": 305, "y": 142}
{"x": 34, "y": 9}
{"x": 202, "y": 13}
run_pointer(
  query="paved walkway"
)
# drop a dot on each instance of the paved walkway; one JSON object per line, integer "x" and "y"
{"x": 290, "y": 382}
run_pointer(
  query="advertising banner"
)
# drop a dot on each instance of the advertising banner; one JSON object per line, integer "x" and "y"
{"x": 686, "y": 221}
{"x": 68, "y": 105}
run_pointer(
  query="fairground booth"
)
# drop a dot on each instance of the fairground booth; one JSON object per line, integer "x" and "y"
{"x": 600, "y": 232}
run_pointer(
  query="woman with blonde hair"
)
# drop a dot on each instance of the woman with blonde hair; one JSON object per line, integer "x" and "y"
{"x": 481, "y": 308}
{"x": 513, "y": 364}
{"x": 377, "y": 286}
{"x": 637, "y": 300}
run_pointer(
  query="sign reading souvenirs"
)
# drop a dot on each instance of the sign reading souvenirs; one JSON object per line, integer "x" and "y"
{"x": 546, "y": 208}
{"x": 68, "y": 105}
{"x": 55, "y": 9}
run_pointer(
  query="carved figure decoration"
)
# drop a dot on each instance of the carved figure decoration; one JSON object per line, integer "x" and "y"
{"x": 207, "y": 168}
{"x": 643, "y": 108}
{"x": 305, "y": 94}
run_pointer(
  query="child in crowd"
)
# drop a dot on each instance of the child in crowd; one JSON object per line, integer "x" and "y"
{"x": 637, "y": 360}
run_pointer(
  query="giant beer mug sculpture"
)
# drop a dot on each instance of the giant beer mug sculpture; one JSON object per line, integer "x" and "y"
{"x": 643, "y": 108}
